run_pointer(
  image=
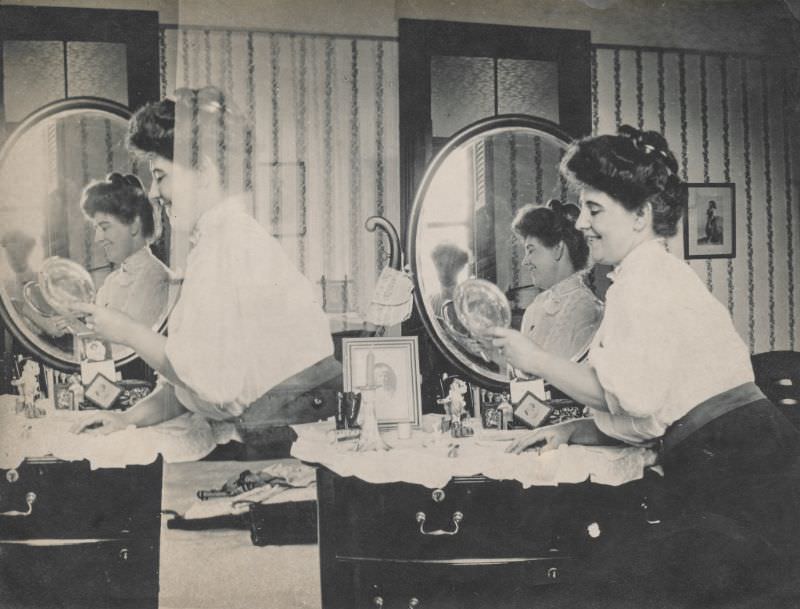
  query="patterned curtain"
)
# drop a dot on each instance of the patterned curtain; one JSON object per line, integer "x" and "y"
{"x": 325, "y": 158}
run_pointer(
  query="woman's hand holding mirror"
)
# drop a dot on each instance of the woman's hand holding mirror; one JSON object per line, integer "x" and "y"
{"x": 110, "y": 324}
{"x": 516, "y": 348}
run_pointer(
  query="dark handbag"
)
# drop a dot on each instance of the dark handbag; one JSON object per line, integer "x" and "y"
{"x": 282, "y": 524}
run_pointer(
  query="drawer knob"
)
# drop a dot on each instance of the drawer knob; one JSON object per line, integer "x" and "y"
{"x": 12, "y": 476}
{"x": 413, "y": 602}
{"x": 123, "y": 554}
{"x": 457, "y": 518}
{"x": 29, "y": 500}
{"x": 552, "y": 573}
{"x": 438, "y": 495}
{"x": 593, "y": 530}
{"x": 377, "y": 601}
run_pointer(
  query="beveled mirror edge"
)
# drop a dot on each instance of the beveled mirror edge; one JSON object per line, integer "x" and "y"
{"x": 498, "y": 381}
{"x": 34, "y": 118}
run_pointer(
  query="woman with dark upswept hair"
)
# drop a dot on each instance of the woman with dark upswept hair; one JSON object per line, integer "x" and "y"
{"x": 125, "y": 225}
{"x": 246, "y": 320}
{"x": 564, "y": 316}
{"x": 667, "y": 369}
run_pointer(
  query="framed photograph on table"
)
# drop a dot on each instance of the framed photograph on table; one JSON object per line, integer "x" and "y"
{"x": 392, "y": 366}
{"x": 709, "y": 221}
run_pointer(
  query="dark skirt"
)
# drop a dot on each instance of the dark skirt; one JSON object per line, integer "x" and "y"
{"x": 728, "y": 508}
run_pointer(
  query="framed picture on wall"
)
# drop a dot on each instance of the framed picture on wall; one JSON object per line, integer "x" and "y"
{"x": 391, "y": 365}
{"x": 709, "y": 222}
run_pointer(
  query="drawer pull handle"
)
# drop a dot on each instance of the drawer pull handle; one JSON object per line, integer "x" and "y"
{"x": 377, "y": 602}
{"x": 29, "y": 499}
{"x": 457, "y": 518}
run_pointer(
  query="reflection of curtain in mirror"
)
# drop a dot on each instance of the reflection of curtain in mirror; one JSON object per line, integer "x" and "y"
{"x": 325, "y": 158}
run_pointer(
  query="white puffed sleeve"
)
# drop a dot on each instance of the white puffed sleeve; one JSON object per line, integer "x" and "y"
{"x": 636, "y": 349}
{"x": 246, "y": 318}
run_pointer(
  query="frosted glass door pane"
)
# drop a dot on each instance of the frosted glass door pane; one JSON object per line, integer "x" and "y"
{"x": 462, "y": 92}
{"x": 33, "y": 75}
{"x": 526, "y": 86}
{"x": 97, "y": 69}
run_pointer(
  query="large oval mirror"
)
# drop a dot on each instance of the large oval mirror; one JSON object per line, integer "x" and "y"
{"x": 461, "y": 224}
{"x": 44, "y": 167}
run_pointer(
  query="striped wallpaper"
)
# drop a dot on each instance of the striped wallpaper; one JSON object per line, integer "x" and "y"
{"x": 329, "y": 104}
{"x": 726, "y": 119}
{"x": 325, "y": 155}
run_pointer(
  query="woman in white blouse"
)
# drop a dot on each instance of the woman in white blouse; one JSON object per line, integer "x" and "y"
{"x": 246, "y": 319}
{"x": 666, "y": 367}
{"x": 564, "y": 317}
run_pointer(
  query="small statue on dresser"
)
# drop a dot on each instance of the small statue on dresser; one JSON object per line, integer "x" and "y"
{"x": 455, "y": 407}
{"x": 28, "y": 386}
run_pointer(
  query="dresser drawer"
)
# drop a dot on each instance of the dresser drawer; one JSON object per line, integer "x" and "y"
{"x": 58, "y": 499}
{"x": 468, "y": 518}
{"x": 79, "y": 574}
{"x": 393, "y": 585}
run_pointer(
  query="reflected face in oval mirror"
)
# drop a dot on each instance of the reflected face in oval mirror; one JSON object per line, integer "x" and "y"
{"x": 69, "y": 189}
{"x": 464, "y": 227}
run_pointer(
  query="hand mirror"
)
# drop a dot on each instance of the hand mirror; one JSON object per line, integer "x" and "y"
{"x": 481, "y": 306}
{"x": 64, "y": 283}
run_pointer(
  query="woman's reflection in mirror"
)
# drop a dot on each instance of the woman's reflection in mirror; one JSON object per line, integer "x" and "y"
{"x": 124, "y": 221}
{"x": 449, "y": 260}
{"x": 246, "y": 318}
{"x": 564, "y": 317}
{"x": 18, "y": 247}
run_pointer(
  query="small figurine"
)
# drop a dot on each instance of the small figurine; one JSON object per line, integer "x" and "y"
{"x": 28, "y": 386}
{"x": 455, "y": 406}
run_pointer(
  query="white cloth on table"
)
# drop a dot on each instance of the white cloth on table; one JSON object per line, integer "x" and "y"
{"x": 246, "y": 318}
{"x": 664, "y": 346}
{"x": 188, "y": 437}
{"x": 424, "y": 460}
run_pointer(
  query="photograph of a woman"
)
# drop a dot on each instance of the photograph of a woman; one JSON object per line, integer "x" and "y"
{"x": 713, "y": 226}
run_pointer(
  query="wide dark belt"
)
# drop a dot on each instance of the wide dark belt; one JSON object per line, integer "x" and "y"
{"x": 309, "y": 395}
{"x": 708, "y": 410}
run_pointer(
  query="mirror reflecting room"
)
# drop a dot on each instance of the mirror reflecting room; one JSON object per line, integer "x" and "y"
{"x": 44, "y": 169}
{"x": 466, "y": 207}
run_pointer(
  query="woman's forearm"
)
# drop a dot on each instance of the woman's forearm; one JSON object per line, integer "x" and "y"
{"x": 159, "y": 406}
{"x": 587, "y": 433}
{"x": 578, "y": 381}
{"x": 151, "y": 347}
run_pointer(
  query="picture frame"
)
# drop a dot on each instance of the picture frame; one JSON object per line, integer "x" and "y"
{"x": 395, "y": 370}
{"x": 102, "y": 391}
{"x": 709, "y": 221}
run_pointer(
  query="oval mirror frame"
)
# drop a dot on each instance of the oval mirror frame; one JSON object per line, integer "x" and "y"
{"x": 482, "y": 375}
{"x": 12, "y": 321}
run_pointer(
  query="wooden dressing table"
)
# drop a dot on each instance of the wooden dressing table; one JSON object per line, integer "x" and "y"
{"x": 475, "y": 541}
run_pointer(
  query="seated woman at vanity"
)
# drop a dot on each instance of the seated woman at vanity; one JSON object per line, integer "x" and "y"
{"x": 246, "y": 319}
{"x": 124, "y": 221}
{"x": 667, "y": 367}
{"x": 564, "y": 317}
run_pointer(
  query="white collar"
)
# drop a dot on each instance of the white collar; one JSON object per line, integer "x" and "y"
{"x": 640, "y": 252}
